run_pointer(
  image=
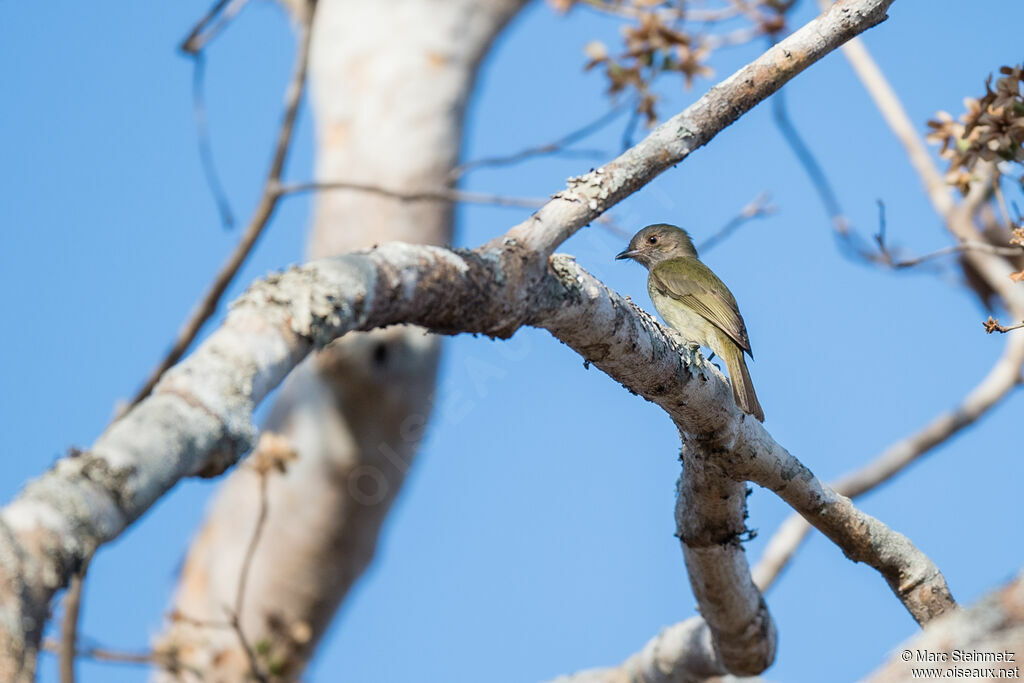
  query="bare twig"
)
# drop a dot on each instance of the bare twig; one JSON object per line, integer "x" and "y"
{"x": 69, "y": 625}
{"x": 206, "y": 160}
{"x": 261, "y": 216}
{"x": 435, "y": 195}
{"x": 971, "y": 245}
{"x": 200, "y": 420}
{"x": 706, "y": 16}
{"x": 936, "y": 188}
{"x": 958, "y": 218}
{"x": 992, "y": 325}
{"x": 630, "y": 130}
{"x": 212, "y": 23}
{"x": 759, "y": 207}
{"x": 272, "y": 454}
{"x": 254, "y": 665}
{"x": 102, "y": 654}
{"x": 887, "y": 257}
{"x": 554, "y": 147}
{"x": 818, "y": 178}
{"x": 1001, "y": 201}
{"x": 243, "y": 578}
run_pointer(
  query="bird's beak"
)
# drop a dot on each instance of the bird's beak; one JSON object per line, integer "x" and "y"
{"x": 626, "y": 253}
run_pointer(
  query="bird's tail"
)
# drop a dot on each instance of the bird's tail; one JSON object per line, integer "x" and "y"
{"x": 742, "y": 387}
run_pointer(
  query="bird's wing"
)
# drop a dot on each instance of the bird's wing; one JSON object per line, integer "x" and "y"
{"x": 703, "y": 292}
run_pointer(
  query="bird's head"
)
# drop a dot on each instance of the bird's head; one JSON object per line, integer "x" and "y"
{"x": 657, "y": 243}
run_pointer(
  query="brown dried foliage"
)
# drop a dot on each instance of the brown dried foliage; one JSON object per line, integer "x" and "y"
{"x": 991, "y": 129}
{"x": 673, "y": 37}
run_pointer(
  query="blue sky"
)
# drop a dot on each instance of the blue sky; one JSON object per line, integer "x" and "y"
{"x": 534, "y": 536}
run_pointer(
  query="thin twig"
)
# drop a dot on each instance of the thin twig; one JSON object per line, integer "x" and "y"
{"x": 234, "y": 620}
{"x": 887, "y": 257}
{"x": 630, "y": 130}
{"x": 243, "y": 578}
{"x": 971, "y": 245}
{"x": 102, "y": 654}
{"x": 435, "y": 195}
{"x": 883, "y": 255}
{"x": 250, "y": 551}
{"x": 992, "y": 325}
{"x": 216, "y": 18}
{"x": 759, "y": 207}
{"x": 1001, "y": 201}
{"x": 69, "y": 625}
{"x": 706, "y": 16}
{"x": 553, "y": 147}
{"x": 261, "y": 216}
{"x": 206, "y": 160}
{"x": 606, "y": 221}
{"x": 958, "y": 218}
{"x": 818, "y": 178}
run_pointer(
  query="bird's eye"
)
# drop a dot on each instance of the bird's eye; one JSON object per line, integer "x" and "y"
{"x": 652, "y": 239}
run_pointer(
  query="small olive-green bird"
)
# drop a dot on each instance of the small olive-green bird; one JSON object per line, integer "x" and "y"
{"x": 695, "y": 302}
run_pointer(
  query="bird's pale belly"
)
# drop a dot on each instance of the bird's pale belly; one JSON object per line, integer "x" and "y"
{"x": 691, "y": 325}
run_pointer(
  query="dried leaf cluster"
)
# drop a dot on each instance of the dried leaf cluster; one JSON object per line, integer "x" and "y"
{"x": 673, "y": 37}
{"x": 991, "y": 129}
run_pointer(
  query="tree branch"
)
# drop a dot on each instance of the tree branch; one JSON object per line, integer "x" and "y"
{"x": 243, "y": 577}
{"x": 1000, "y": 380}
{"x": 198, "y": 420}
{"x": 593, "y": 193}
{"x": 443, "y": 194}
{"x": 212, "y": 23}
{"x": 957, "y": 217}
{"x": 992, "y": 325}
{"x": 69, "y": 626}
{"x": 711, "y": 514}
{"x": 682, "y": 653}
{"x": 261, "y": 217}
{"x": 759, "y": 207}
{"x": 554, "y": 147}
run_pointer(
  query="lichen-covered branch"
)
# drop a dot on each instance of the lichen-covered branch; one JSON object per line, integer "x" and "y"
{"x": 711, "y": 513}
{"x": 262, "y": 214}
{"x": 198, "y": 420}
{"x": 915, "y": 580}
{"x": 675, "y": 139}
{"x": 682, "y": 653}
{"x": 389, "y": 87}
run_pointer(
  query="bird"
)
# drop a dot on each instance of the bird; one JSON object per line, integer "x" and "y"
{"x": 696, "y": 303}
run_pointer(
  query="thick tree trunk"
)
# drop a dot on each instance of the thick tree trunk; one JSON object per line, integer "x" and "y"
{"x": 390, "y": 82}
